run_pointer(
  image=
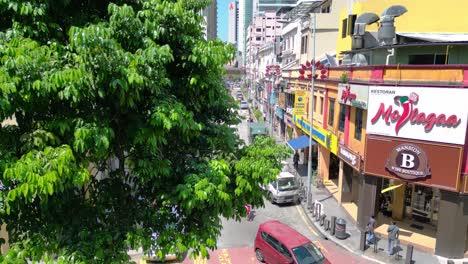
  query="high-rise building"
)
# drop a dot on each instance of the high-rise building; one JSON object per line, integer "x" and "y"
{"x": 241, "y": 30}
{"x": 210, "y": 13}
{"x": 233, "y": 23}
{"x": 261, "y": 6}
{"x": 245, "y": 18}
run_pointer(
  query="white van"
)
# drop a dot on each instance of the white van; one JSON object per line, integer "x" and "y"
{"x": 284, "y": 190}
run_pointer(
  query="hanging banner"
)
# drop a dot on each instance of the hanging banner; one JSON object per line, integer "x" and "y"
{"x": 300, "y": 103}
{"x": 281, "y": 100}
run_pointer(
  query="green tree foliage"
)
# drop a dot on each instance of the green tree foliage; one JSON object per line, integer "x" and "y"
{"x": 122, "y": 131}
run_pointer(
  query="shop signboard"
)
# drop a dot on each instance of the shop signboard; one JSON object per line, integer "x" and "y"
{"x": 353, "y": 95}
{"x": 349, "y": 156}
{"x": 288, "y": 121}
{"x": 423, "y": 113}
{"x": 319, "y": 134}
{"x": 281, "y": 100}
{"x": 408, "y": 161}
{"x": 279, "y": 112}
{"x": 428, "y": 163}
{"x": 300, "y": 102}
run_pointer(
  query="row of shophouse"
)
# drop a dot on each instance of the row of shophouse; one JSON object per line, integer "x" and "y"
{"x": 390, "y": 109}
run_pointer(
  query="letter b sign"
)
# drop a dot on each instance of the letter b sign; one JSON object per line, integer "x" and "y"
{"x": 407, "y": 160}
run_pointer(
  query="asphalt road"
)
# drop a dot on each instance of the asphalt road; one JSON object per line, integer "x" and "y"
{"x": 235, "y": 244}
{"x": 242, "y": 234}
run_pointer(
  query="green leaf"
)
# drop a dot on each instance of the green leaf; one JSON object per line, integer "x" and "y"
{"x": 50, "y": 189}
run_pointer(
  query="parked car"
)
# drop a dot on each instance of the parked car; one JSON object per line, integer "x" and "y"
{"x": 278, "y": 243}
{"x": 285, "y": 189}
{"x": 244, "y": 105}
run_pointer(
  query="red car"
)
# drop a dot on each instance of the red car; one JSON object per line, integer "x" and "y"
{"x": 277, "y": 243}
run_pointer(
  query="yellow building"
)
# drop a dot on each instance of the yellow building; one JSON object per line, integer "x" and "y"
{"x": 423, "y": 16}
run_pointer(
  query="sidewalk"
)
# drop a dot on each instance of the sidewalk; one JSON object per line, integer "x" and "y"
{"x": 331, "y": 207}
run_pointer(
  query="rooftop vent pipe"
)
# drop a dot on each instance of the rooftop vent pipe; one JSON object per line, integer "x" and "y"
{"x": 360, "y": 29}
{"x": 387, "y": 34}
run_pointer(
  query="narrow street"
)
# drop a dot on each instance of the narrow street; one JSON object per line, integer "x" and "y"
{"x": 235, "y": 245}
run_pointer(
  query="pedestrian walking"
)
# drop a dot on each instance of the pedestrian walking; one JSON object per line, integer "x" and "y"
{"x": 248, "y": 209}
{"x": 264, "y": 117}
{"x": 393, "y": 233}
{"x": 370, "y": 230}
{"x": 296, "y": 159}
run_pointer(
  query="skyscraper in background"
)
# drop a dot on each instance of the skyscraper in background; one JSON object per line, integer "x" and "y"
{"x": 210, "y": 14}
{"x": 261, "y": 6}
{"x": 233, "y": 23}
{"x": 245, "y": 18}
{"x": 250, "y": 8}
{"x": 241, "y": 31}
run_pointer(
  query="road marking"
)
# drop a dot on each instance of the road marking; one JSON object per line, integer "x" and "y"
{"x": 200, "y": 260}
{"x": 320, "y": 246}
{"x": 299, "y": 209}
{"x": 224, "y": 257}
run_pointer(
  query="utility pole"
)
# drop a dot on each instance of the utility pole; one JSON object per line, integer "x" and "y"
{"x": 309, "y": 162}
{"x": 271, "y": 103}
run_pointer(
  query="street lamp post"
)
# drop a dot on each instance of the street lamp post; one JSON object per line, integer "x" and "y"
{"x": 272, "y": 71}
{"x": 272, "y": 92}
{"x": 309, "y": 162}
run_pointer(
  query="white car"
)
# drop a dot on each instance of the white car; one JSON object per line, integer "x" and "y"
{"x": 244, "y": 105}
{"x": 284, "y": 190}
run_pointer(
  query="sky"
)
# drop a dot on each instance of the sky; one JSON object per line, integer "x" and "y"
{"x": 223, "y": 6}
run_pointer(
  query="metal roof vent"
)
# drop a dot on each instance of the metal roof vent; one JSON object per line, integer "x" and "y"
{"x": 387, "y": 34}
{"x": 359, "y": 60}
{"x": 360, "y": 29}
{"x": 347, "y": 60}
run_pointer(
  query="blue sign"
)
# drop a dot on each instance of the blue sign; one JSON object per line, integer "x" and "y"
{"x": 272, "y": 98}
{"x": 279, "y": 113}
{"x": 315, "y": 132}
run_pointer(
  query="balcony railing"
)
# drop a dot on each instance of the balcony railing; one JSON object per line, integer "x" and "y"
{"x": 431, "y": 75}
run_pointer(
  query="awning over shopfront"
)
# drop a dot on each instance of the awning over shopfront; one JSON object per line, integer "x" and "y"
{"x": 300, "y": 142}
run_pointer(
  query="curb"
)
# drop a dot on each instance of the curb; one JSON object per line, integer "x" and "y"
{"x": 327, "y": 236}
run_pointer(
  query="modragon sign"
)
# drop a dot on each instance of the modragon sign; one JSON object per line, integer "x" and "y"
{"x": 432, "y": 114}
{"x": 353, "y": 95}
{"x": 408, "y": 161}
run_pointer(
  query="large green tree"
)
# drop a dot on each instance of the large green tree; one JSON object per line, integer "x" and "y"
{"x": 122, "y": 130}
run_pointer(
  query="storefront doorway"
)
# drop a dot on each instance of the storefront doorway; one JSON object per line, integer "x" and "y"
{"x": 421, "y": 203}
{"x": 417, "y": 214}
{"x": 334, "y": 168}
{"x": 349, "y": 190}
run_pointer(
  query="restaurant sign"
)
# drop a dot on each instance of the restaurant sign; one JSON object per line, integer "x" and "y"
{"x": 349, "y": 156}
{"x": 353, "y": 95}
{"x": 431, "y": 114}
{"x": 408, "y": 161}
